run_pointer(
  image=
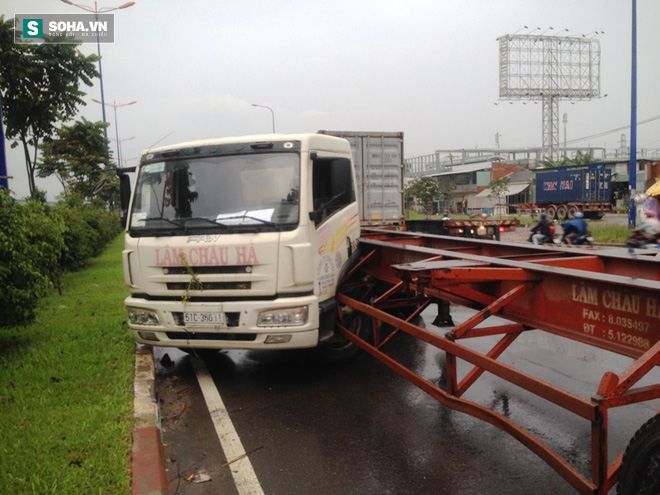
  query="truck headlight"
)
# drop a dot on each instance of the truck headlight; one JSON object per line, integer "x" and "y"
{"x": 283, "y": 317}
{"x": 138, "y": 316}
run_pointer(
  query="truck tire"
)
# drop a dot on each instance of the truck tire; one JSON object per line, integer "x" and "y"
{"x": 551, "y": 211}
{"x": 338, "y": 348}
{"x": 640, "y": 469}
{"x": 561, "y": 212}
{"x": 571, "y": 212}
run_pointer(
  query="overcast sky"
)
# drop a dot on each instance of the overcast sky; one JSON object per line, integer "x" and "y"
{"x": 428, "y": 68}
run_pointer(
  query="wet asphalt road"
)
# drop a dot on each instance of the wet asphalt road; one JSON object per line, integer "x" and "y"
{"x": 358, "y": 428}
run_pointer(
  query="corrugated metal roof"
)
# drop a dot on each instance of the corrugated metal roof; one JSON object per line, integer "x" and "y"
{"x": 513, "y": 189}
{"x": 462, "y": 169}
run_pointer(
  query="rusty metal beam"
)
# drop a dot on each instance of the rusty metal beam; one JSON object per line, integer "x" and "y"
{"x": 495, "y": 330}
{"x": 490, "y": 310}
{"x": 567, "y": 400}
{"x": 494, "y": 353}
{"x": 613, "y": 386}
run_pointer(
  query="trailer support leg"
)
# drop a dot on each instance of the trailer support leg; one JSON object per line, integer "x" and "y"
{"x": 443, "y": 318}
{"x": 599, "y": 448}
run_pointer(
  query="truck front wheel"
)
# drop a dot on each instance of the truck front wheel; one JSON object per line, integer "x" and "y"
{"x": 338, "y": 348}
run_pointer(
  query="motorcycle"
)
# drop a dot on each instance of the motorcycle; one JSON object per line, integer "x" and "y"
{"x": 639, "y": 240}
{"x": 550, "y": 238}
{"x": 576, "y": 239}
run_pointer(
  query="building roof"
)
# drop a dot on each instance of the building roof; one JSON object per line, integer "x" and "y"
{"x": 463, "y": 169}
{"x": 513, "y": 190}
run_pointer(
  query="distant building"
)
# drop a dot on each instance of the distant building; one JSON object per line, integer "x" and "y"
{"x": 470, "y": 172}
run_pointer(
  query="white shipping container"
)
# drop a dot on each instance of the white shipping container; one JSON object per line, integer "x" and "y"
{"x": 378, "y": 158}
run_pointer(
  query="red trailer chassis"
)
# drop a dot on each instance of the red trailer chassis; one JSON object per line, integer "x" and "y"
{"x": 566, "y": 211}
{"x": 611, "y": 301}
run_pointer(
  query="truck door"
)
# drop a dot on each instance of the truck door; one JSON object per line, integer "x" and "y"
{"x": 335, "y": 217}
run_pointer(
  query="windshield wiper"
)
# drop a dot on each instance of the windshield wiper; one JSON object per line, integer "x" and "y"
{"x": 210, "y": 221}
{"x": 163, "y": 219}
{"x": 152, "y": 226}
{"x": 265, "y": 222}
{"x": 242, "y": 217}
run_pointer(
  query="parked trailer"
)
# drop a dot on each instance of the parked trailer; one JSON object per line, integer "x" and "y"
{"x": 479, "y": 229}
{"x": 608, "y": 301}
{"x": 563, "y": 191}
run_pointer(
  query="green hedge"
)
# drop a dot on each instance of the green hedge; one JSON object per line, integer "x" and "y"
{"x": 88, "y": 229}
{"x": 38, "y": 243}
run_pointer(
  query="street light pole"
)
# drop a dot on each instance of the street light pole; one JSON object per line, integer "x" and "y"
{"x": 632, "y": 176}
{"x": 96, "y": 11}
{"x": 271, "y": 113}
{"x": 121, "y": 150}
{"x": 114, "y": 105}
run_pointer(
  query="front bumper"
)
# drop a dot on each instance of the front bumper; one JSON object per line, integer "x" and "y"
{"x": 240, "y": 330}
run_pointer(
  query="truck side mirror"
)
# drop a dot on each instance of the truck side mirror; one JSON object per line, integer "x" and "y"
{"x": 316, "y": 216}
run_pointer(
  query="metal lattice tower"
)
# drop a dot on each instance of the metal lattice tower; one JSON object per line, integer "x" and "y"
{"x": 551, "y": 126}
{"x": 549, "y": 68}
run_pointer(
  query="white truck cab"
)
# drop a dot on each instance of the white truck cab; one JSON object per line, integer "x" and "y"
{"x": 240, "y": 242}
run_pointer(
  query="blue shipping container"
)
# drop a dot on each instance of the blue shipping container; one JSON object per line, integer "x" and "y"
{"x": 577, "y": 185}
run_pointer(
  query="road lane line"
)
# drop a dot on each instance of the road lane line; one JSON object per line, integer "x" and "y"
{"x": 238, "y": 461}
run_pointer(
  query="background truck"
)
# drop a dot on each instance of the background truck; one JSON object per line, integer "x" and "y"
{"x": 563, "y": 191}
{"x": 379, "y": 167}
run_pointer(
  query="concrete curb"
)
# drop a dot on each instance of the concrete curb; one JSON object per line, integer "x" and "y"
{"x": 147, "y": 463}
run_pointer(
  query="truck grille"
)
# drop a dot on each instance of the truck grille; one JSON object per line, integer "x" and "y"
{"x": 246, "y": 337}
{"x": 209, "y": 286}
{"x": 203, "y": 270}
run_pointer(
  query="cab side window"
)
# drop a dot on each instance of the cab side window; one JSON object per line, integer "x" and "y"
{"x": 332, "y": 187}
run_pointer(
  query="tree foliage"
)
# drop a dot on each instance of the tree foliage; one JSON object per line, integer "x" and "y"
{"x": 446, "y": 189}
{"x": 31, "y": 243}
{"x": 498, "y": 188}
{"x": 40, "y": 87}
{"x": 38, "y": 243}
{"x": 580, "y": 159}
{"x": 79, "y": 157}
{"x": 425, "y": 190}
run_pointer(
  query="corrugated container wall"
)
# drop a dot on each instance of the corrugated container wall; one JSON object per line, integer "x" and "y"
{"x": 591, "y": 185}
{"x": 378, "y": 158}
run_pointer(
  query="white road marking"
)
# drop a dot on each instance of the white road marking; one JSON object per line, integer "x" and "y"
{"x": 240, "y": 466}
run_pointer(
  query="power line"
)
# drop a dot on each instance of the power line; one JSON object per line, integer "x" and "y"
{"x": 618, "y": 129}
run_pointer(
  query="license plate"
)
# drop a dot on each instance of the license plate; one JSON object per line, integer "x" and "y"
{"x": 204, "y": 319}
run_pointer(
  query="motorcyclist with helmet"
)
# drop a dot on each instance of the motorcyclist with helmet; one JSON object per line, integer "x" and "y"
{"x": 542, "y": 231}
{"x": 575, "y": 232}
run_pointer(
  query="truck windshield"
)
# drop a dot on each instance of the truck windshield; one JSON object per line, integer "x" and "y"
{"x": 218, "y": 194}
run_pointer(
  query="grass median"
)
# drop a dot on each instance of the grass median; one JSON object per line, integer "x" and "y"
{"x": 66, "y": 388}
